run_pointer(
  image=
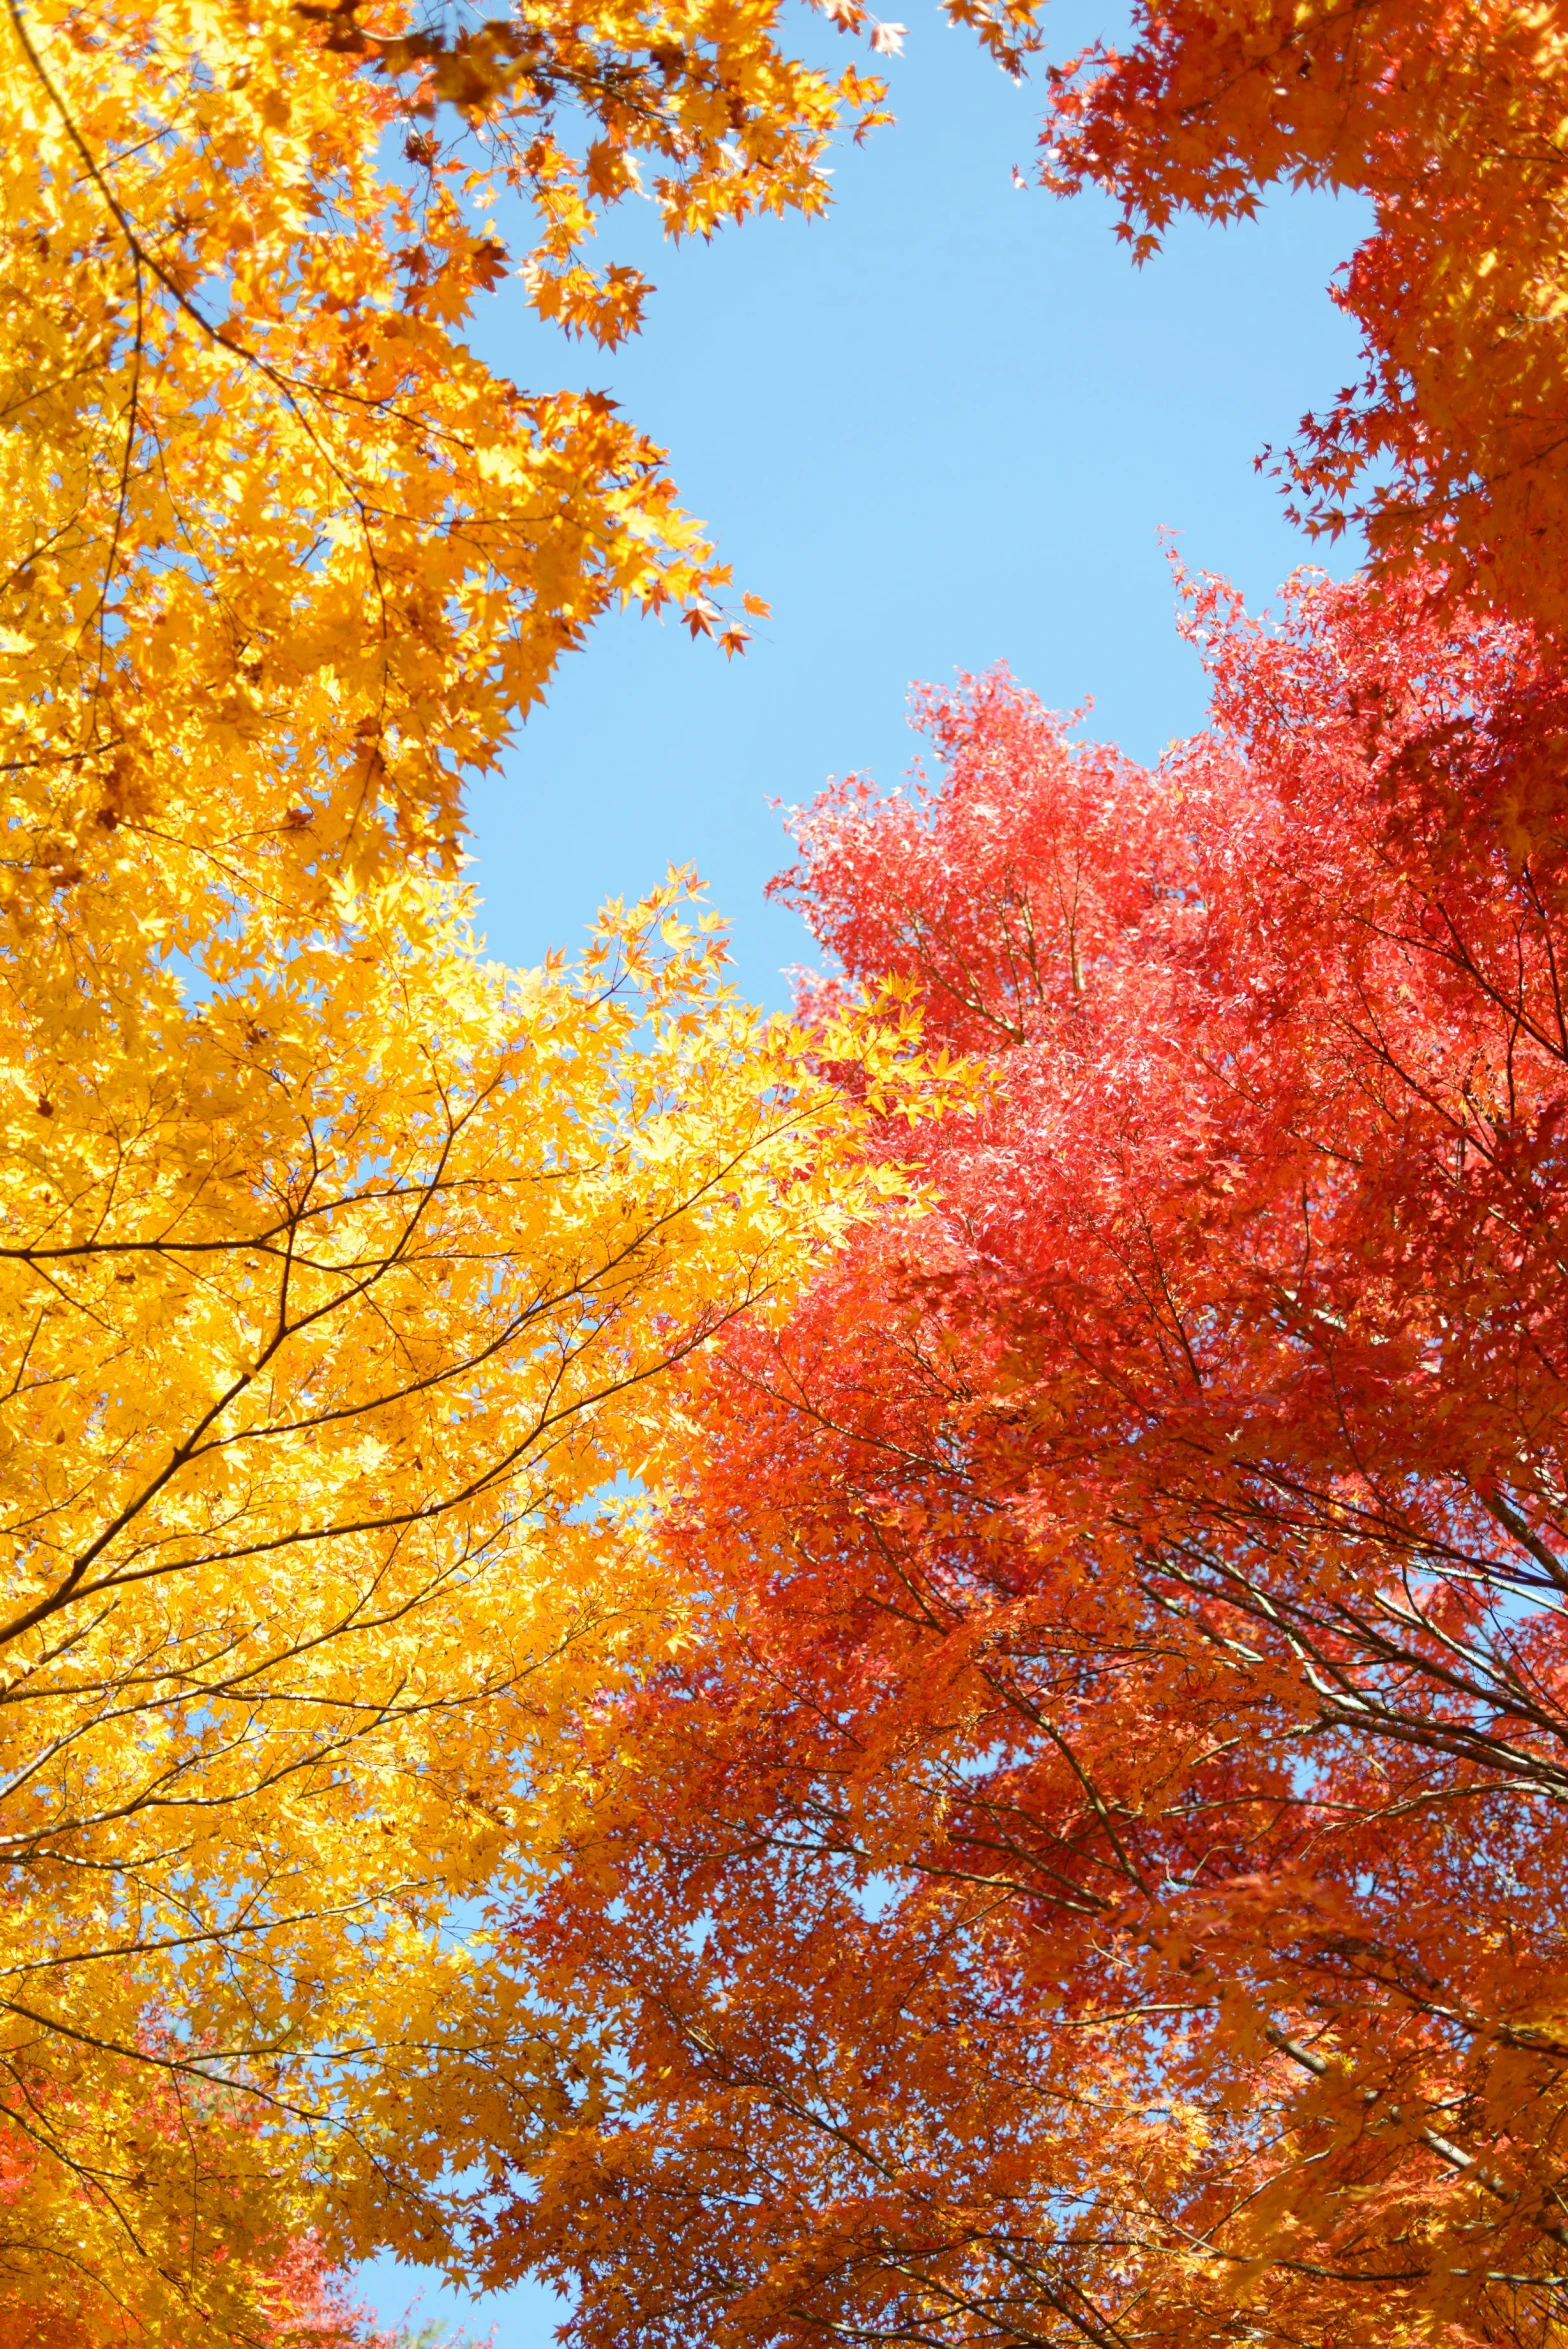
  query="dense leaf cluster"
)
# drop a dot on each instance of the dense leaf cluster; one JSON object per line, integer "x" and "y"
{"x": 1097, "y": 1871}
{"x": 897, "y": 1677}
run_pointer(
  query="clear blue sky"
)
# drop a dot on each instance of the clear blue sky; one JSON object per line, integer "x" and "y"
{"x": 940, "y": 428}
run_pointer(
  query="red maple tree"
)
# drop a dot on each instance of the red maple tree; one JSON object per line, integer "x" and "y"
{"x": 1092, "y": 1869}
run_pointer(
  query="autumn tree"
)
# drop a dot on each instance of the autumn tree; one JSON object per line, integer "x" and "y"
{"x": 336, "y": 1265}
{"x": 303, "y": 2301}
{"x": 1449, "y": 115}
{"x": 334, "y": 1262}
{"x": 329, "y": 1304}
{"x": 284, "y": 559}
{"x": 1095, "y": 1872}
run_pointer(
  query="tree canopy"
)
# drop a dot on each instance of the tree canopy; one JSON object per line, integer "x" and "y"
{"x": 328, "y": 1307}
{"x": 286, "y": 559}
{"x": 1097, "y": 1875}
{"x": 337, "y": 1264}
{"x": 896, "y": 1674}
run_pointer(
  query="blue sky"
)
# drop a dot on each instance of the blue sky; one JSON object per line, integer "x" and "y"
{"x": 940, "y": 428}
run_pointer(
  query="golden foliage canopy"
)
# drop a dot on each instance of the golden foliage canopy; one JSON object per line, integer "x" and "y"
{"x": 337, "y": 1266}
{"x": 329, "y": 1307}
{"x": 281, "y": 556}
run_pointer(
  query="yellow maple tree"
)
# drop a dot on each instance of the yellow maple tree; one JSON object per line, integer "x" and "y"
{"x": 283, "y": 558}
{"x": 329, "y": 1306}
{"x": 338, "y": 1267}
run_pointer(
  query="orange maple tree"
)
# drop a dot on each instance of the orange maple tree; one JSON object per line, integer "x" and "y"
{"x": 1452, "y": 116}
{"x": 1092, "y": 1870}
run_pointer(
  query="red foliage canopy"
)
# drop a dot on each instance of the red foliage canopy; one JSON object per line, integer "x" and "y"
{"x": 1099, "y": 1874}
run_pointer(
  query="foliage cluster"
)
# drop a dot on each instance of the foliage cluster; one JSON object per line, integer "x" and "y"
{"x": 1097, "y": 1873}
{"x": 338, "y": 1265}
{"x": 896, "y": 1675}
